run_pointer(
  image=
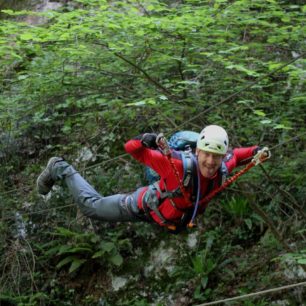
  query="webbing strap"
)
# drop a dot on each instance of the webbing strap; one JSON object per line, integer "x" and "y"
{"x": 168, "y": 195}
{"x": 187, "y": 165}
{"x": 150, "y": 200}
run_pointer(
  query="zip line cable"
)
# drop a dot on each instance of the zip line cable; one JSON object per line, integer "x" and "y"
{"x": 254, "y": 294}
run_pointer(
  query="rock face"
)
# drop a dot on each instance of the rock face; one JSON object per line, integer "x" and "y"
{"x": 163, "y": 258}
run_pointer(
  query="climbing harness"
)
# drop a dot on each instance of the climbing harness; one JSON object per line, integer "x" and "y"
{"x": 196, "y": 206}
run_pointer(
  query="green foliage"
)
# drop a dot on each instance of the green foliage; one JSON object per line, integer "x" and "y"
{"x": 76, "y": 249}
{"x": 269, "y": 241}
{"x": 237, "y": 207}
{"x": 299, "y": 257}
{"x": 142, "y": 51}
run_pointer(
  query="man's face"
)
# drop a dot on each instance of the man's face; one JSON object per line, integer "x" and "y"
{"x": 208, "y": 162}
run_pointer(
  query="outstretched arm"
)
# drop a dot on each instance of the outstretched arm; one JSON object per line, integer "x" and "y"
{"x": 239, "y": 157}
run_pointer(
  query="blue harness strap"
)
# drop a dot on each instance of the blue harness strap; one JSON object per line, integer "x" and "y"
{"x": 187, "y": 166}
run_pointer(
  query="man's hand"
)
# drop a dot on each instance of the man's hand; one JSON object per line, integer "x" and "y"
{"x": 148, "y": 140}
{"x": 262, "y": 154}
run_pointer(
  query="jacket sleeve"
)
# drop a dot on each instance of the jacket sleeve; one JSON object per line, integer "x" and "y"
{"x": 239, "y": 157}
{"x": 152, "y": 158}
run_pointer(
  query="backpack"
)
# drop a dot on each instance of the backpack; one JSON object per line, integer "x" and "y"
{"x": 179, "y": 141}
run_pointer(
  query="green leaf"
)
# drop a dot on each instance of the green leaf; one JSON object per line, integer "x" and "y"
{"x": 63, "y": 249}
{"x": 8, "y": 12}
{"x": 266, "y": 121}
{"x": 53, "y": 251}
{"x": 285, "y": 19}
{"x": 259, "y": 112}
{"x": 22, "y": 77}
{"x": 95, "y": 239}
{"x": 76, "y": 250}
{"x": 117, "y": 259}
{"x": 107, "y": 246}
{"x": 281, "y": 127}
{"x": 248, "y": 222}
{"x": 142, "y": 102}
{"x": 98, "y": 254}
{"x": 65, "y": 261}
{"x": 242, "y": 69}
{"x": 162, "y": 97}
{"x": 26, "y": 36}
{"x": 204, "y": 281}
{"x": 76, "y": 263}
{"x": 15, "y": 55}
{"x": 65, "y": 232}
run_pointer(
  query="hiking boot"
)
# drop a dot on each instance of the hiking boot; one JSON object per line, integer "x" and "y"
{"x": 45, "y": 181}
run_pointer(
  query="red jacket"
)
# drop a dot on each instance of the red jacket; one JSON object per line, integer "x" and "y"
{"x": 160, "y": 164}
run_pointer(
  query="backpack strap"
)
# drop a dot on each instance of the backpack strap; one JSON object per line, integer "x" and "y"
{"x": 188, "y": 167}
{"x": 223, "y": 171}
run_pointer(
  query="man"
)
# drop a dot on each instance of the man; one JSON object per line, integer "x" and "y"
{"x": 184, "y": 177}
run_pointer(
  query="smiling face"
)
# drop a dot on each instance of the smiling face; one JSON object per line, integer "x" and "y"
{"x": 208, "y": 162}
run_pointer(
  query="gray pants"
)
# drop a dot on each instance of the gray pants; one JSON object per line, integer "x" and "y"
{"x": 119, "y": 207}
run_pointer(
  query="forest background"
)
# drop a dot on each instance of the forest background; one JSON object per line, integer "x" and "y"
{"x": 81, "y": 80}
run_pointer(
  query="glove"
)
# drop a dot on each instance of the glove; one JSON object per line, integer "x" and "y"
{"x": 148, "y": 140}
{"x": 265, "y": 152}
{"x": 262, "y": 153}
